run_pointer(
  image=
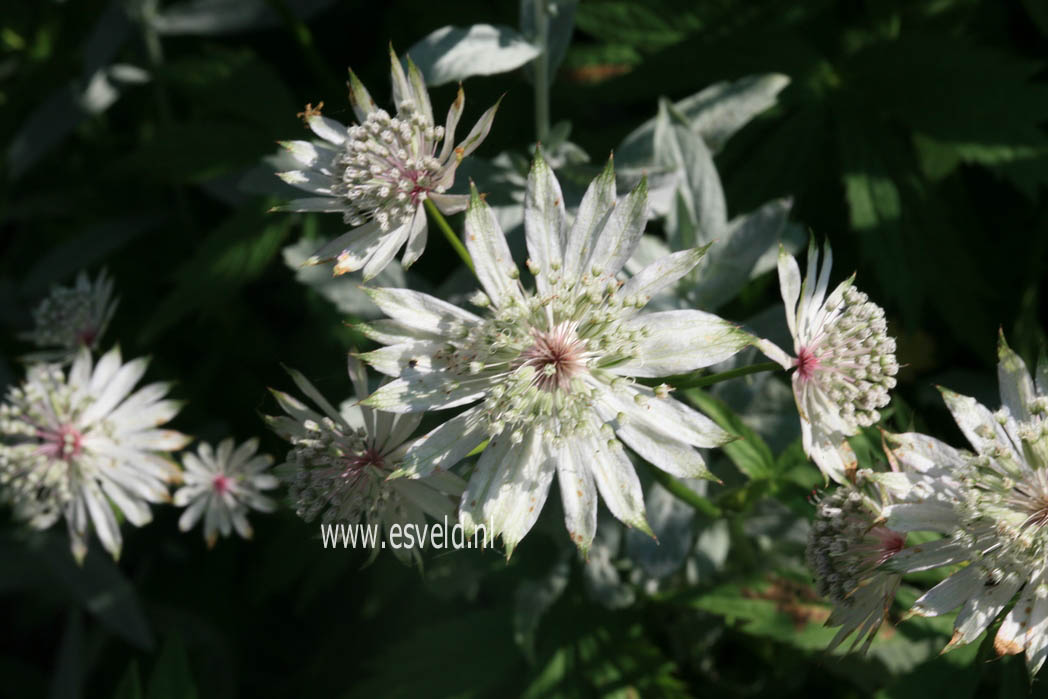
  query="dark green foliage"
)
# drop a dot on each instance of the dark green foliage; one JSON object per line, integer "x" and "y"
{"x": 912, "y": 136}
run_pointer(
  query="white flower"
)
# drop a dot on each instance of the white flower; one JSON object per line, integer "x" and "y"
{"x": 845, "y": 361}
{"x": 222, "y": 486}
{"x": 379, "y": 173}
{"x": 992, "y": 507}
{"x": 550, "y": 369}
{"x": 846, "y": 549}
{"x": 78, "y": 445}
{"x": 72, "y": 317}
{"x": 340, "y": 461}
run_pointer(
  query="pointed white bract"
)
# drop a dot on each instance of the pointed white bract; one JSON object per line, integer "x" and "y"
{"x": 991, "y": 507}
{"x": 846, "y": 549}
{"x": 79, "y": 445}
{"x": 844, "y": 360}
{"x": 340, "y": 460}
{"x": 71, "y": 317}
{"x": 379, "y": 172}
{"x": 222, "y": 485}
{"x": 551, "y": 370}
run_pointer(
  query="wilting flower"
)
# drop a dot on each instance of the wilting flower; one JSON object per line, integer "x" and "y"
{"x": 992, "y": 507}
{"x": 846, "y": 549}
{"x": 340, "y": 461}
{"x": 379, "y": 173}
{"x": 77, "y": 445}
{"x": 72, "y": 317}
{"x": 550, "y": 369}
{"x": 845, "y": 361}
{"x": 222, "y": 485}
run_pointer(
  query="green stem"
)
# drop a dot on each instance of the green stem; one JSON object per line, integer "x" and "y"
{"x": 155, "y": 55}
{"x": 442, "y": 223}
{"x": 683, "y": 492}
{"x": 541, "y": 71}
{"x": 698, "y": 379}
{"x": 303, "y": 37}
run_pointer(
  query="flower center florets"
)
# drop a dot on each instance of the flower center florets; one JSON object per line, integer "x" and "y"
{"x": 851, "y": 358}
{"x": 539, "y": 359}
{"x": 388, "y": 166}
{"x": 557, "y": 356}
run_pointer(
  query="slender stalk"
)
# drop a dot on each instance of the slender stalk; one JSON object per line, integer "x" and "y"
{"x": 698, "y": 379}
{"x": 442, "y": 223}
{"x": 303, "y": 38}
{"x": 541, "y": 71}
{"x": 155, "y": 55}
{"x": 683, "y": 492}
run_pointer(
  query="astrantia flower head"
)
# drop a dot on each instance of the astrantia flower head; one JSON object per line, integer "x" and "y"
{"x": 222, "y": 485}
{"x": 846, "y": 549}
{"x": 379, "y": 172}
{"x": 550, "y": 369}
{"x": 72, "y": 317}
{"x": 75, "y": 445}
{"x": 992, "y": 507}
{"x": 340, "y": 461}
{"x": 844, "y": 364}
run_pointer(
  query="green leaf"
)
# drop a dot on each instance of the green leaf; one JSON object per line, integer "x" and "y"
{"x": 130, "y": 686}
{"x": 231, "y": 256}
{"x": 172, "y": 677}
{"x": 649, "y": 26}
{"x": 750, "y": 453}
{"x": 68, "y": 672}
{"x": 98, "y": 586}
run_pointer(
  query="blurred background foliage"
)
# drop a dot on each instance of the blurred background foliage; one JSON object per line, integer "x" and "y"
{"x": 912, "y": 135}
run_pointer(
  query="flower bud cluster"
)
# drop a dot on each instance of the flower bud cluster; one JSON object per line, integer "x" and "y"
{"x": 848, "y": 544}
{"x": 337, "y": 472}
{"x": 388, "y": 166}
{"x": 74, "y": 316}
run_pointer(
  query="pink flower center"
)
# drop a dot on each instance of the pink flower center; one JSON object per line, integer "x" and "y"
{"x": 371, "y": 457}
{"x": 807, "y": 363}
{"x": 891, "y": 542}
{"x": 557, "y": 357}
{"x": 86, "y": 337}
{"x": 221, "y": 484}
{"x": 64, "y": 443}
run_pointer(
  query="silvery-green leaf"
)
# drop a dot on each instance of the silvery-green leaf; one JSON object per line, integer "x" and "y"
{"x": 601, "y": 576}
{"x": 732, "y": 259}
{"x": 560, "y": 23}
{"x": 714, "y": 114}
{"x": 215, "y": 17}
{"x": 456, "y": 53}
{"x": 344, "y": 291}
{"x": 672, "y": 521}
{"x": 679, "y": 149}
{"x": 532, "y": 600}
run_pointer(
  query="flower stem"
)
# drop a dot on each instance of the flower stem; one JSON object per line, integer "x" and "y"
{"x": 541, "y": 71}
{"x": 683, "y": 492}
{"x": 697, "y": 379}
{"x": 442, "y": 223}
